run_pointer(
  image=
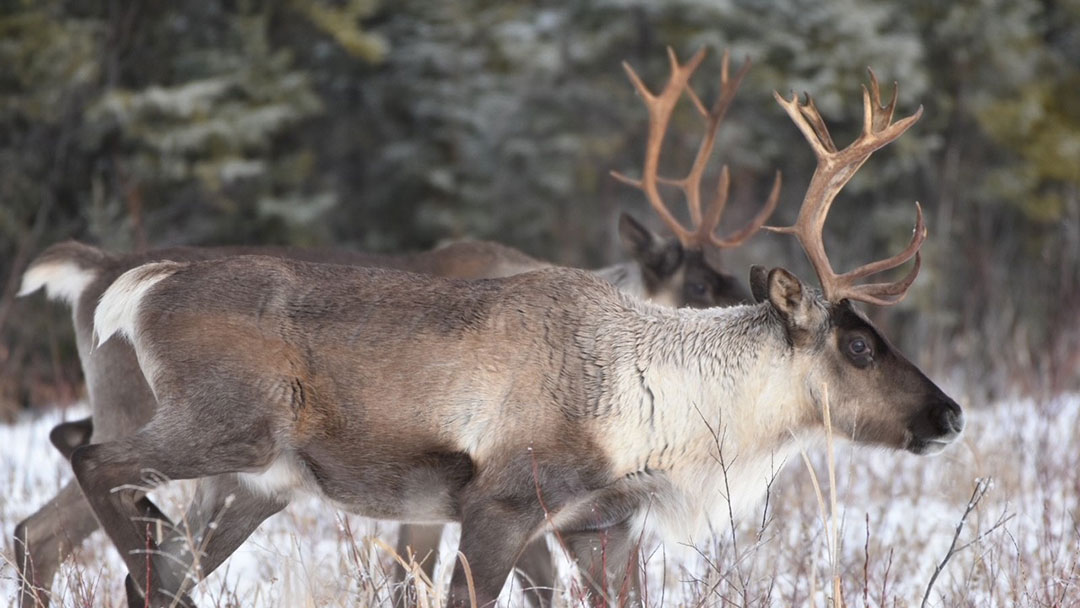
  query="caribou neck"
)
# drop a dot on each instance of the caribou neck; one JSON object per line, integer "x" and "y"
{"x": 704, "y": 400}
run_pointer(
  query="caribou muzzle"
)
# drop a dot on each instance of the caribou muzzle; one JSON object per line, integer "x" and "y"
{"x": 935, "y": 427}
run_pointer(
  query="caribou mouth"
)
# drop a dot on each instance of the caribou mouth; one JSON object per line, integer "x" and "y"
{"x": 928, "y": 447}
{"x": 935, "y": 427}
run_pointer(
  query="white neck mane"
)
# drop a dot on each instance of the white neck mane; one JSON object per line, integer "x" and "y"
{"x": 698, "y": 396}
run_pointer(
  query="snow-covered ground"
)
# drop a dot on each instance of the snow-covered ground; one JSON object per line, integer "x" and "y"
{"x": 896, "y": 519}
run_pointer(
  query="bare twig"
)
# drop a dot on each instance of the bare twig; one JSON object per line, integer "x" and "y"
{"x": 866, "y": 566}
{"x": 718, "y": 438}
{"x": 827, "y": 513}
{"x": 982, "y": 486}
{"x": 885, "y": 578}
{"x": 768, "y": 497}
{"x": 423, "y": 585}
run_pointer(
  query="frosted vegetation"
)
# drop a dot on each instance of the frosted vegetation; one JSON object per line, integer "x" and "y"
{"x": 895, "y": 520}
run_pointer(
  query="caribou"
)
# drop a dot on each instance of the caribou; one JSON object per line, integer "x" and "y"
{"x": 547, "y": 400}
{"x": 676, "y": 271}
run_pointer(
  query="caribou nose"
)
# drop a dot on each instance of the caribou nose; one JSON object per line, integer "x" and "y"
{"x": 948, "y": 418}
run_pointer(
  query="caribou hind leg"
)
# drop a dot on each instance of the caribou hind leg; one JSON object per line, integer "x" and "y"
{"x": 221, "y": 517}
{"x": 67, "y": 436}
{"x": 169, "y": 447}
{"x": 46, "y": 538}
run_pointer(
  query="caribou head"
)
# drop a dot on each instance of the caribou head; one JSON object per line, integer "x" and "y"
{"x": 686, "y": 266}
{"x": 876, "y": 395}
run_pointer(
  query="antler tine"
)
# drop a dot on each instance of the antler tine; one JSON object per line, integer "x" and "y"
{"x": 750, "y": 229}
{"x": 887, "y": 294}
{"x": 835, "y": 168}
{"x": 716, "y": 208}
{"x": 660, "y": 107}
{"x": 882, "y": 114}
{"x": 809, "y": 121}
{"x": 815, "y": 206}
{"x": 691, "y": 184}
{"x": 884, "y": 294}
{"x": 917, "y": 238}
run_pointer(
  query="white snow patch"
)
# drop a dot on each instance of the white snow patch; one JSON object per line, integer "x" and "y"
{"x": 311, "y": 554}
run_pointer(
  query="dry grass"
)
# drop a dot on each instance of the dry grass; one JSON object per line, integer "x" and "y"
{"x": 994, "y": 520}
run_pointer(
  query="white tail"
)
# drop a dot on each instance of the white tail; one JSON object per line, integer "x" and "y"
{"x": 119, "y": 304}
{"x": 62, "y": 280}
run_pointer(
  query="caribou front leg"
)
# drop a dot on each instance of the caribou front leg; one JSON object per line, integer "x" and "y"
{"x": 538, "y": 569}
{"x": 421, "y": 541}
{"x": 599, "y": 530}
{"x": 608, "y": 562}
{"x": 496, "y": 523}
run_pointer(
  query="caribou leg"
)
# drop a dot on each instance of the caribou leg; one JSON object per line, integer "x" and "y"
{"x": 537, "y": 567}
{"x": 422, "y": 542}
{"x": 46, "y": 538}
{"x": 221, "y": 517}
{"x": 607, "y": 560}
{"x": 67, "y": 436}
{"x": 493, "y": 534}
{"x": 110, "y": 474}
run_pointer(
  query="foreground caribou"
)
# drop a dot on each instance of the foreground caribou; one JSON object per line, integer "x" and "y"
{"x": 546, "y": 400}
{"x": 672, "y": 271}
{"x": 121, "y": 400}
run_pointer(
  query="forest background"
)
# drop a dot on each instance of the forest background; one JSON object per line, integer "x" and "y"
{"x": 398, "y": 125}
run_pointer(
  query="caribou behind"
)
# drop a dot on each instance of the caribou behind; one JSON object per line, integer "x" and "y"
{"x": 544, "y": 400}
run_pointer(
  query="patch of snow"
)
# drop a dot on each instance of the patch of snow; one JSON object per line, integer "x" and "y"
{"x": 311, "y": 554}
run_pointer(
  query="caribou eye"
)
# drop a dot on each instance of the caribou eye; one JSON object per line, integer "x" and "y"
{"x": 858, "y": 346}
{"x": 859, "y": 351}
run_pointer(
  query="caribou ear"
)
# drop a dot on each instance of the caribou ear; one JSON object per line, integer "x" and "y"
{"x": 759, "y": 283}
{"x": 636, "y": 237}
{"x": 789, "y": 297}
{"x": 659, "y": 258}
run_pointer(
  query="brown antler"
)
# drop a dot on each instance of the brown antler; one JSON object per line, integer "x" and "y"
{"x": 660, "y": 109}
{"x": 834, "y": 169}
